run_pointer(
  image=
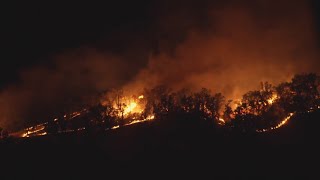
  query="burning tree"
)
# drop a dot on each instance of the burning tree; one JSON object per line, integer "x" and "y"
{"x": 252, "y": 108}
{"x": 183, "y": 104}
{"x": 272, "y": 107}
{"x": 158, "y": 101}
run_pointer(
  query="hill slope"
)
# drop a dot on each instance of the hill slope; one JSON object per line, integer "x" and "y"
{"x": 174, "y": 146}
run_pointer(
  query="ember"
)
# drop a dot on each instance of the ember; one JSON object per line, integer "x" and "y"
{"x": 282, "y": 123}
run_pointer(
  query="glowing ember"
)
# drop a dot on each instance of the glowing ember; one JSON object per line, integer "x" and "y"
{"x": 272, "y": 99}
{"x": 24, "y": 135}
{"x": 42, "y": 134}
{"x": 37, "y": 130}
{"x": 136, "y": 121}
{"x": 115, "y": 127}
{"x": 141, "y": 97}
{"x": 80, "y": 129}
{"x": 221, "y": 121}
{"x": 282, "y": 123}
{"x": 150, "y": 117}
{"x": 75, "y": 114}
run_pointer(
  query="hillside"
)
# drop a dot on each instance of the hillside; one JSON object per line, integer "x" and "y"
{"x": 175, "y": 145}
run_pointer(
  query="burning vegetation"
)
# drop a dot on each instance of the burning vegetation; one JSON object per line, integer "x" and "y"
{"x": 258, "y": 111}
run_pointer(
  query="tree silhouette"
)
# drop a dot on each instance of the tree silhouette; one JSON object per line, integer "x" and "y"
{"x": 228, "y": 112}
{"x": 285, "y": 97}
{"x": 158, "y": 101}
{"x": 254, "y": 105}
{"x": 305, "y": 90}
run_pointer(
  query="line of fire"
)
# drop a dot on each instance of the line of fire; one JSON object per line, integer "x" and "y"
{"x": 258, "y": 111}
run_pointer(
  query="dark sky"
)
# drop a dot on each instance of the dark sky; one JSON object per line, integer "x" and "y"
{"x": 33, "y": 32}
{"x": 316, "y": 11}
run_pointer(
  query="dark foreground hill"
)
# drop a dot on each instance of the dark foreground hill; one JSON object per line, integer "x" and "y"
{"x": 167, "y": 149}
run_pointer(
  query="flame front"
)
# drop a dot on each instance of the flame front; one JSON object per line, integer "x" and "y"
{"x": 130, "y": 108}
{"x": 125, "y": 107}
{"x": 282, "y": 123}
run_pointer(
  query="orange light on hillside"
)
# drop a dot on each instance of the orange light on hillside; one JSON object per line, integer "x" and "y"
{"x": 272, "y": 99}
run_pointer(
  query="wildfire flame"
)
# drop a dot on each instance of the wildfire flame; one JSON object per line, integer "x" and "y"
{"x": 150, "y": 117}
{"x": 272, "y": 99}
{"x": 127, "y": 106}
{"x": 130, "y": 108}
{"x": 38, "y": 130}
{"x": 221, "y": 121}
{"x": 282, "y": 123}
{"x": 131, "y": 105}
{"x": 115, "y": 127}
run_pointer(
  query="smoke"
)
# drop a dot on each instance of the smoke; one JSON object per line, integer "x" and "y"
{"x": 240, "y": 46}
{"x": 69, "y": 83}
{"x": 228, "y": 47}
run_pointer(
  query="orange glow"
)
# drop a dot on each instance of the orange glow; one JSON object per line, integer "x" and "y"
{"x": 37, "y": 130}
{"x": 136, "y": 121}
{"x": 75, "y": 114}
{"x": 127, "y": 106}
{"x": 25, "y": 135}
{"x": 221, "y": 121}
{"x": 282, "y": 123}
{"x": 130, "y": 108}
{"x": 139, "y": 121}
{"x": 272, "y": 99}
{"x": 42, "y": 134}
{"x": 150, "y": 117}
{"x": 115, "y": 127}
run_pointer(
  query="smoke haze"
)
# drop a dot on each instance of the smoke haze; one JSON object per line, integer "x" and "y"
{"x": 241, "y": 46}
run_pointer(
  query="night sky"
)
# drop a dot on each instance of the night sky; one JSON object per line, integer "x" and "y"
{"x": 43, "y": 38}
{"x": 33, "y": 32}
